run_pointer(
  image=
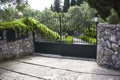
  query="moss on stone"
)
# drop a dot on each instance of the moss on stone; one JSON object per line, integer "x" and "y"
{"x": 13, "y": 56}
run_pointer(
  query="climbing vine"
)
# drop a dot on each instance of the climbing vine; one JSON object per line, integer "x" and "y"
{"x": 30, "y": 24}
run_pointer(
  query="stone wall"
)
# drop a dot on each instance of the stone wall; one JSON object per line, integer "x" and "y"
{"x": 39, "y": 38}
{"x": 16, "y": 48}
{"x": 108, "y": 45}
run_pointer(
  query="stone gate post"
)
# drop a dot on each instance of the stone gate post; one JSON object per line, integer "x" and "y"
{"x": 108, "y": 45}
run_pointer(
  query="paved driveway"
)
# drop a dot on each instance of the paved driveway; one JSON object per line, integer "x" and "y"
{"x": 79, "y": 41}
{"x": 52, "y": 68}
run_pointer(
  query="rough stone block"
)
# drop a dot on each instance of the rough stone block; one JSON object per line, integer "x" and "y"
{"x": 109, "y": 52}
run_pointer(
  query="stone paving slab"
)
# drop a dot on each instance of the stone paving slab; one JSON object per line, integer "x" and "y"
{"x": 85, "y": 66}
{"x": 46, "y": 68}
{"x": 23, "y": 68}
{"x": 9, "y": 75}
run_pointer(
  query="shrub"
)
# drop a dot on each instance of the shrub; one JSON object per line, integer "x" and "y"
{"x": 68, "y": 39}
{"x": 30, "y": 24}
{"x": 88, "y": 39}
{"x": 91, "y": 33}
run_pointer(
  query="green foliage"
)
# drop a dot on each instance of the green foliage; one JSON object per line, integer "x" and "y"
{"x": 30, "y": 24}
{"x": 68, "y": 39}
{"x": 44, "y": 30}
{"x": 10, "y": 9}
{"x": 91, "y": 33}
{"x": 12, "y": 1}
{"x": 113, "y": 18}
{"x": 89, "y": 36}
{"x": 11, "y": 12}
{"x": 50, "y": 19}
{"x": 66, "y": 5}
{"x": 79, "y": 16}
{"x": 73, "y": 17}
{"x": 73, "y": 2}
{"x": 88, "y": 39}
{"x": 8, "y": 14}
{"x": 22, "y": 6}
{"x": 76, "y": 2}
{"x": 75, "y": 12}
{"x": 104, "y": 7}
{"x": 46, "y": 15}
{"x": 16, "y": 25}
{"x": 57, "y": 5}
{"x": 86, "y": 11}
{"x": 79, "y": 2}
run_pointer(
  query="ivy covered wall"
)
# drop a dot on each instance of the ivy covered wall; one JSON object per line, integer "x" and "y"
{"x": 16, "y": 37}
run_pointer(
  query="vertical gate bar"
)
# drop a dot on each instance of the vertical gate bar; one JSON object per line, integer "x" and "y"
{"x": 60, "y": 27}
{"x": 33, "y": 36}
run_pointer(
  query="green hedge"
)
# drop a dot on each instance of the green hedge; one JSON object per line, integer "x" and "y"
{"x": 91, "y": 33}
{"x": 68, "y": 39}
{"x": 88, "y": 39}
{"x": 30, "y": 24}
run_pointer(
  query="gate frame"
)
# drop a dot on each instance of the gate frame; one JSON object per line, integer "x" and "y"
{"x": 75, "y": 50}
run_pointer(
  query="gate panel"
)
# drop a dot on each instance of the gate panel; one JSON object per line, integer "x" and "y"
{"x": 74, "y": 34}
{"x": 85, "y": 51}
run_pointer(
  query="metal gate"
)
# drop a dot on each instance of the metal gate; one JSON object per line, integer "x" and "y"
{"x": 77, "y": 38}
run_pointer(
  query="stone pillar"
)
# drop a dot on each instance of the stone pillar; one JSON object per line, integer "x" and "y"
{"x": 108, "y": 45}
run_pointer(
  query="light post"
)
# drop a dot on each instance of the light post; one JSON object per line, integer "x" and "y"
{"x": 96, "y": 19}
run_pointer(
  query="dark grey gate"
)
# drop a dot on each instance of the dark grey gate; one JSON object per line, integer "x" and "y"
{"x": 78, "y": 29}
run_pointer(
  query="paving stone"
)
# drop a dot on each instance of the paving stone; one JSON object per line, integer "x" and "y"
{"x": 46, "y": 68}
{"x": 71, "y": 64}
{"x": 8, "y": 75}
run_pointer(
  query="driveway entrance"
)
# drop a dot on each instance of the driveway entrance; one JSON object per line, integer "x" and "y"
{"x": 55, "y": 68}
{"x": 77, "y": 39}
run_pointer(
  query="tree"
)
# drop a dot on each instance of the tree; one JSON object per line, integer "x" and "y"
{"x": 57, "y": 5}
{"x": 8, "y": 14}
{"x": 86, "y": 11}
{"x": 113, "y": 19}
{"x": 104, "y": 7}
{"x": 12, "y": 2}
{"x": 78, "y": 15}
{"x": 66, "y": 5}
{"x": 74, "y": 13}
{"x": 10, "y": 8}
{"x": 73, "y": 2}
{"x": 27, "y": 11}
{"x": 50, "y": 19}
{"x": 51, "y": 7}
{"x": 79, "y": 2}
